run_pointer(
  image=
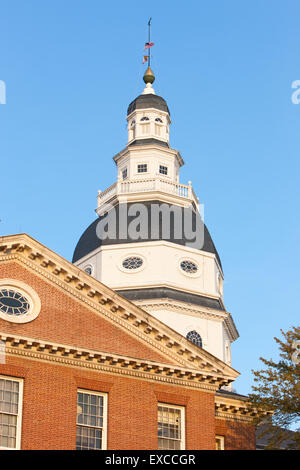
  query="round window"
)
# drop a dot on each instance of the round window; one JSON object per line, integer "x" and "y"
{"x": 133, "y": 262}
{"x": 13, "y": 302}
{"x": 189, "y": 267}
{"x": 19, "y": 303}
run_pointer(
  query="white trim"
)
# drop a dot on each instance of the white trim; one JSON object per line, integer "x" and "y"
{"x": 31, "y": 296}
{"x": 105, "y": 413}
{"x": 182, "y": 420}
{"x": 148, "y": 243}
{"x": 19, "y": 415}
{"x": 221, "y": 438}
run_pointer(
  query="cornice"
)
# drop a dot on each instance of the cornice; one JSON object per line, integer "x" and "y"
{"x": 147, "y": 147}
{"x": 194, "y": 310}
{"x": 236, "y": 409}
{"x": 142, "y": 111}
{"x": 112, "y": 306}
{"x": 191, "y": 309}
{"x": 182, "y": 307}
{"x": 231, "y": 328}
{"x": 72, "y": 356}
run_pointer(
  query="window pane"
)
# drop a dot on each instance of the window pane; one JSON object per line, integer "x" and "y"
{"x": 142, "y": 168}
{"x": 90, "y": 410}
{"x": 88, "y": 438}
{"x": 8, "y": 430}
{"x": 169, "y": 428}
{"x": 9, "y": 397}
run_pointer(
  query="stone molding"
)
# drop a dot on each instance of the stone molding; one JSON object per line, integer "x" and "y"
{"x": 73, "y": 356}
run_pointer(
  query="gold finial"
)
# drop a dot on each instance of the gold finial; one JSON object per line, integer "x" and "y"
{"x": 149, "y": 76}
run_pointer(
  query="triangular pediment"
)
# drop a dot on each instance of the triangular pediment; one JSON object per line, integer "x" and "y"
{"x": 79, "y": 312}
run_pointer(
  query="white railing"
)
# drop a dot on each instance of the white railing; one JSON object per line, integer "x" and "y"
{"x": 147, "y": 185}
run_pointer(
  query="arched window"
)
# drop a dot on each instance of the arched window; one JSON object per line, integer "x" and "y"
{"x": 145, "y": 118}
{"x": 194, "y": 337}
{"x": 88, "y": 270}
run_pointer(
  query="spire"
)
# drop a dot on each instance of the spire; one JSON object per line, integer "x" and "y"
{"x": 149, "y": 75}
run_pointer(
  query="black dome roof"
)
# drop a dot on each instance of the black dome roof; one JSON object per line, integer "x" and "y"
{"x": 148, "y": 101}
{"x": 89, "y": 240}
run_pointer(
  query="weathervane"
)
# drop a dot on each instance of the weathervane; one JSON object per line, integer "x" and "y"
{"x": 148, "y": 45}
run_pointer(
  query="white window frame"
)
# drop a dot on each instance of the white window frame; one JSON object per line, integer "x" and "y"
{"x": 19, "y": 415}
{"x": 163, "y": 166}
{"x": 124, "y": 170}
{"x": 182, "y": 421}
{"x": 222, "y": 440}
{"x": 105, "y": 412}
{"x": 141, "y": 172}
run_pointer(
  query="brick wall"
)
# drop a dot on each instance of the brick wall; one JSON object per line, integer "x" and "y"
{"x": 65, "y": 320}
{"x": 50, "y": 390}
{"x": 238, "y": 435}
{"x": 50, "y": 398}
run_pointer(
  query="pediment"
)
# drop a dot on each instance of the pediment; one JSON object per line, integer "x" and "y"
{"x": 84, "y": 314}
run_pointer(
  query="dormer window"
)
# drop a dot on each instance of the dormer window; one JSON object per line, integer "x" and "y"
{"x": 145, "y": 118}
{"x": 158, "y": 120}
{"x": 142, "y": 168}
{"x": 163, "y": 170}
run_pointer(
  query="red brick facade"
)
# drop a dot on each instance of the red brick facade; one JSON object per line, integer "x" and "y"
{"x": 49, "y": 408}
{"x": 64, "y": 320}
{"x": 50, "y": 388}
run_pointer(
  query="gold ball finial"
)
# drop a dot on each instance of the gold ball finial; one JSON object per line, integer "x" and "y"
{"x": 149, "y": 76}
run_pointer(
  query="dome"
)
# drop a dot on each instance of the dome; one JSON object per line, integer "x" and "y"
{"x": 89, "y": 241}
{"x": 145, "y": 101}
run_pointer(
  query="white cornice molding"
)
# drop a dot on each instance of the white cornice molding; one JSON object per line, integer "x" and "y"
{"x": 182, "y": 307}
{"x": 231, "y": 328}
{"x": 193, "y": 310}
{"x": 73, "y": 356}
{"x": 143, "y": 110}
{"x": 140, "y": 148}
{"x": 112, "y": 306}
{"x": 236, "y": 409}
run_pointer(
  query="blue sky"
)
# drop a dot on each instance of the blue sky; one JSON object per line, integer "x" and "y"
{"x": 225, "y": 69}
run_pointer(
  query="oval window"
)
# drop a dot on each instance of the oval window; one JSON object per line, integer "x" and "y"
{"x": 132, "y": 262}
{"x": 13, "y": 302}
{"x": 189, "y": 267}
